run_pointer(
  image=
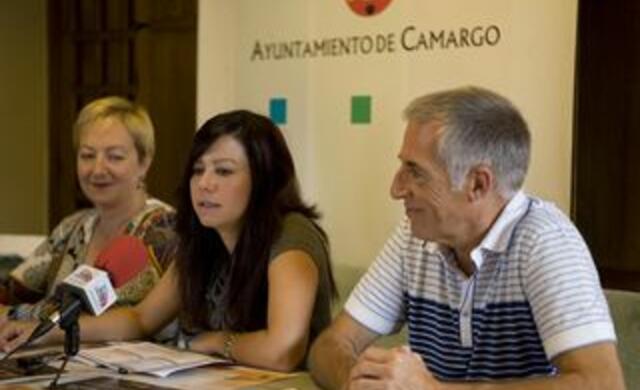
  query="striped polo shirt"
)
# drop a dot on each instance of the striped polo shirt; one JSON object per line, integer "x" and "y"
{"x": 535, "y": 294}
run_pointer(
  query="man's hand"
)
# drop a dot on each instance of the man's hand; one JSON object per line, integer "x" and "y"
{"x": 391, "y": 369}
{"x": 14, "y": 333}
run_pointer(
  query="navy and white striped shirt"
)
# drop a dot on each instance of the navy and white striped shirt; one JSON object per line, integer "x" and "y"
{"x": 534, "y": 295}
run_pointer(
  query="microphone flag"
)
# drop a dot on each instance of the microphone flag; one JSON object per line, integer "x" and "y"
{"x": 94, "y": 287}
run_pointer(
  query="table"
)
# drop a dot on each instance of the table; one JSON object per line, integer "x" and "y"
{"x": 211, "y": 377}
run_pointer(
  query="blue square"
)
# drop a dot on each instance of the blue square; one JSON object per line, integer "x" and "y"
{"x": 278, "y": 110}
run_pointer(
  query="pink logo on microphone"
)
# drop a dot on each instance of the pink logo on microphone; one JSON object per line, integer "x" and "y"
{"x": 85, "y": 275}
{"x": 103, "y": 295}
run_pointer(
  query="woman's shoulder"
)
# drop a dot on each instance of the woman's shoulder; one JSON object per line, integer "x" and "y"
{"x": 70, "y": 222}
{"x": 298, "y": 224}
{"x": 78, "y": 215}
{"x": 302, "y": 233}
{"x": 154, "y": 205}
{"x": 156, "y": 213}
{"x": 296, "y": 219}
{"x": 155, "y": 226}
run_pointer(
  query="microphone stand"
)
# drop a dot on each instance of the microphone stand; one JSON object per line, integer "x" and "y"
{"x": 71, "y": 339}
{"x": 71, "y": 333}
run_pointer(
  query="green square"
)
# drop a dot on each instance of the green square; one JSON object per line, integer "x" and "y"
{"x": 360, "y": 109}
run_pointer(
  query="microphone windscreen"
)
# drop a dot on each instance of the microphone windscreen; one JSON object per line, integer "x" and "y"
{"x": 89, "y": 286}
{"x": 124, "y": 258}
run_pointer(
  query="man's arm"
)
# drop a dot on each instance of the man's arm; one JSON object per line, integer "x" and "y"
{"x": 595, "y": 367}
{"x": 336, "y": 350}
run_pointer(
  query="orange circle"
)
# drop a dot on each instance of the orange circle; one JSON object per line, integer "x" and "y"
{"x": 368, "y": 7}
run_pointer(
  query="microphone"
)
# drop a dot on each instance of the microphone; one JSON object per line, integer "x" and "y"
{"x": 93, "y": 288}
{"x": 86, "y": 287}
{"x": 124, "y": 259}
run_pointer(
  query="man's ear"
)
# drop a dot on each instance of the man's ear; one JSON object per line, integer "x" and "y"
{"x": 480, "y": 182}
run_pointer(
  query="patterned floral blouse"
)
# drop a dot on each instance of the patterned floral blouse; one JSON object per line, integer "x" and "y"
{"x": 65, "y": 249}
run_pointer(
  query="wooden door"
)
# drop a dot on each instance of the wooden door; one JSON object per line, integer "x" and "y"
{"x": 144, "y": 50}
{"x": 606, "y": 190}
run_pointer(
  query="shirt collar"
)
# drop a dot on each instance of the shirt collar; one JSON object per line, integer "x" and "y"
{"x": 497, "y": 238}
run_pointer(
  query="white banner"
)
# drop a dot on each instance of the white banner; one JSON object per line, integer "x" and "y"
{"x": 337, "y": 80}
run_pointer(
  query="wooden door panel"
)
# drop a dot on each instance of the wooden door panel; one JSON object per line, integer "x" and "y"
{"x": 607, "y": 122}
{"x": 128, "y": 48}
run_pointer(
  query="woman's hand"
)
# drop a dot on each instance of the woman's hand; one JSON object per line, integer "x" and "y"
{"x": 208, "y": 343}
{"x": 14, "y": 333}
{"x": 4, "y": 314}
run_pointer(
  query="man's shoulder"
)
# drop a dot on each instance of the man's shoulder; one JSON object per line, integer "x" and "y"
{"x": 545, "y": 230}
{"x": 544, "y": 217}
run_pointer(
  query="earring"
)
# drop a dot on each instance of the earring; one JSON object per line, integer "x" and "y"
{"x": 141, "y": 184}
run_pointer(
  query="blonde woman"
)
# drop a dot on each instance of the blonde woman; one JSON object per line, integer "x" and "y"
{"x": 114, "y": 143}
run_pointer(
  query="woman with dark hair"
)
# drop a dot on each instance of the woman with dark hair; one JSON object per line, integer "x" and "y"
{"x": 252, "y": 279}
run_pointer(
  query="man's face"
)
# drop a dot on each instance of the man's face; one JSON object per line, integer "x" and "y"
{"x": 434, "y": 209}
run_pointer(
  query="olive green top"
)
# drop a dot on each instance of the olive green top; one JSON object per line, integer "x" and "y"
{"x": 298, "y": 233}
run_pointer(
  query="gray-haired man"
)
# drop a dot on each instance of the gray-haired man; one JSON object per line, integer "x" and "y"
{"x": 498, "y": 289}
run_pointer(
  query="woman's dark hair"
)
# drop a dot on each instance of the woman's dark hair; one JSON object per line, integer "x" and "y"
{"x": 274, "y": 193}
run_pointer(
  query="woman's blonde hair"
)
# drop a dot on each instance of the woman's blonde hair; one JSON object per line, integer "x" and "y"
{"x": 133, "y": 117}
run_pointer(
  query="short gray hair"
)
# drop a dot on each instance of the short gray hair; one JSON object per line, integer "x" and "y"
{"x": 479, "y": 127}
